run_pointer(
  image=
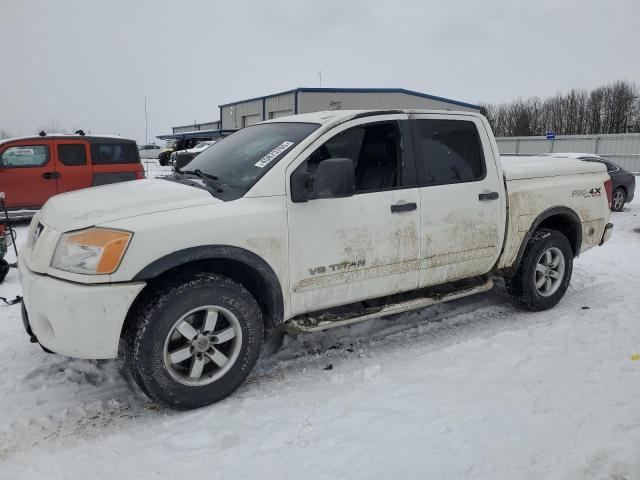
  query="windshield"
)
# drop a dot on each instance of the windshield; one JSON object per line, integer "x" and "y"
{"x": 239, "y": 160}
{"x": 203, "y": 144}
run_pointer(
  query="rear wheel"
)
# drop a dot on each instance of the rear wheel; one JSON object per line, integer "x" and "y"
{"x": 195, "y": 341}
{"x": 543, "y": 276}
{"x": 618, "y": 200}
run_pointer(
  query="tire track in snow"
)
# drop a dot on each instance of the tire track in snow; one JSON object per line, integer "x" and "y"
{"x": 86, "y": 413}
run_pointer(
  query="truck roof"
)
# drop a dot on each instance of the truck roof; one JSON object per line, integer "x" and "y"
{"x": 340, "y": 116}
{"x": 575, "y": 155}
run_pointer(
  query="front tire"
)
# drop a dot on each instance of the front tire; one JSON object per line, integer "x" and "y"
{"x": 194, "y": 341}
{"x": 618, "y": 200}
{"x": 543, "y": 275}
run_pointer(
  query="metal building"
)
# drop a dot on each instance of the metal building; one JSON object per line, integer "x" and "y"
{"x": 196, "y": 131}
{"x": 195, "y": 127}
{"x": 620, "y": 148}
{"x": 243, "y": 113}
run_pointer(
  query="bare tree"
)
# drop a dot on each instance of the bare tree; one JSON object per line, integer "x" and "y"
{"x": 52, "y": 127}
{"x": 4, "y": 134}
{"x": 612, "y": 108}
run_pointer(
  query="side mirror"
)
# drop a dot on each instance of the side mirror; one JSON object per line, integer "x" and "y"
{"x": 334, "y": 178}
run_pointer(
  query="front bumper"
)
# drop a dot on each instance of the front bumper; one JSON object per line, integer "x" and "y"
{"x": 76, "y": 320}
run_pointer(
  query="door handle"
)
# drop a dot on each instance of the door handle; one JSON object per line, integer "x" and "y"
{"x": 488, "y": 196}
{"x": 403, "y": 207}
{"x": 51, "y": 175}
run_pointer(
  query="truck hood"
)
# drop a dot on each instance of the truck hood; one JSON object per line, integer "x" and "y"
{"x": 519, "y": 168}
{"x": 93, "y": 206}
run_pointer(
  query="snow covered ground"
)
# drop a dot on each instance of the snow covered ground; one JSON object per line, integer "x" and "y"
{"x": 471, "y": 389}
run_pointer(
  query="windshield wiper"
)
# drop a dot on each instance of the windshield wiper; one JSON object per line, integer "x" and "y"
{"x": 210, "y": 180}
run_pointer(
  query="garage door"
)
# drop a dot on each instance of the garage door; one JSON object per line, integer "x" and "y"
{"x": 248, "y": 120}
{"x": 281, "y": 113}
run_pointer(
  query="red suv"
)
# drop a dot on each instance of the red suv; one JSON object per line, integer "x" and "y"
{"x": 32, "y": 169}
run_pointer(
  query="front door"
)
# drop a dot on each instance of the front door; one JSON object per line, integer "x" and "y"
{"x": 343, "y": 250}
{"x": 462, "y": 197}
{"x": 74, "y": 171}
{"x": 27, "y": 174}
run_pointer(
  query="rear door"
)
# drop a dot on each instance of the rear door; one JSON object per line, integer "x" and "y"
{"x": 462, "y": 197}
{"x": 27, "y": 173}
{"x": 72, "y": 165}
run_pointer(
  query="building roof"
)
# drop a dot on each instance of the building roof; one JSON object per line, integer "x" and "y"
{"x": 359, "y": 90}
{"x": 196, "y": 134}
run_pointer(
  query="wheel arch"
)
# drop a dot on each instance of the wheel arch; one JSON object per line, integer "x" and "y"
{"x": 239, "y": 264}
{"x": 623, "y": 187}
{"x": 560, "y": 218}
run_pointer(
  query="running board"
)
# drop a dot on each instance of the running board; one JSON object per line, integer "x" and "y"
{"x": 307, "y": 324}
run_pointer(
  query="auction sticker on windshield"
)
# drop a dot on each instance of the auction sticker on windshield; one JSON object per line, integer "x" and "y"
{"x": 273, "y": 154}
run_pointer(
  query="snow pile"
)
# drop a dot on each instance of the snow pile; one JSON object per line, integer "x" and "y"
{"x": 472, "y": 389}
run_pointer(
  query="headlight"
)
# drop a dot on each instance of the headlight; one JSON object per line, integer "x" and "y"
{"x": 92, "y": 251}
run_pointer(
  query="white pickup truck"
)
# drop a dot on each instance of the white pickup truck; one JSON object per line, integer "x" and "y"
{"x": 300, "y": 223}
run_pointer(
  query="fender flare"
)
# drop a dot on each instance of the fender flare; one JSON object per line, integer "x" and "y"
{"x": 548, "y": 213}
{"x": 221, "y": 252}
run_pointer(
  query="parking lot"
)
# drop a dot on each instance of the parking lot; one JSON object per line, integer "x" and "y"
{"x": 475, "y": 388}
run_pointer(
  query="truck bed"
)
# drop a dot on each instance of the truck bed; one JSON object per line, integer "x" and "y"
{"x": 519, "y": 168}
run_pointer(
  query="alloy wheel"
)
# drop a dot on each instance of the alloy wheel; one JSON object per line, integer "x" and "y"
{"x": 549, "y": 271}
{"x": 618, "y": 199}
{"x": 202, "y": 345}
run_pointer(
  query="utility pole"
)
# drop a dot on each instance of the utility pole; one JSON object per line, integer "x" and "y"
{"x": 320, "y": 77}
{"x": 146, "y": 141}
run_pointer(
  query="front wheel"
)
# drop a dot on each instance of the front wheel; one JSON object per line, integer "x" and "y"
{"x": 195, "y": 341}
{"x": 543, "y": 276}
{"x": 618, "y": 200}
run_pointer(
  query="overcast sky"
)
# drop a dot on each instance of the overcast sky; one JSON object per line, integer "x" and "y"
{"x": 89, "y": 64}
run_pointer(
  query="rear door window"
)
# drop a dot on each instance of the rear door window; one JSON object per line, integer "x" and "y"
{"x": 449, "y": 151}
{"x": 113, "y": 153}
{"x": 72, "y": 154}
{"x": 25, "y": 156}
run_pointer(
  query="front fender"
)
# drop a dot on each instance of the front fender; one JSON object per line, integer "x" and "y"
{"x": 273, "y": 297}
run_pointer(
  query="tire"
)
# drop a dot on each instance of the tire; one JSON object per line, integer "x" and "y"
{"x": 163, "y": 160}
{"x": 4, "y": 269}
{"x": 179, "y": 369}
{"x": 618, "y": 199}
{"x": 530, "y": 287}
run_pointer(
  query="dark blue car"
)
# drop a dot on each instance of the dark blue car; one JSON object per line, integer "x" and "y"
{"x": 623, "y": 182}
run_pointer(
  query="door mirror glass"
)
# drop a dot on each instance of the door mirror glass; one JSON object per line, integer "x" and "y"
{"x": 334, "y": 178}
